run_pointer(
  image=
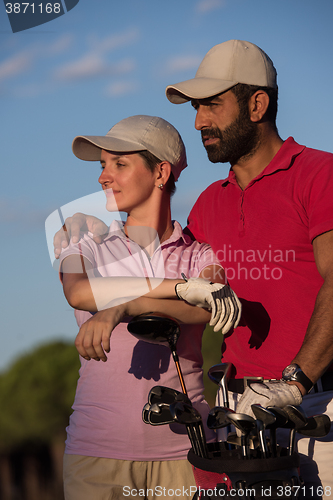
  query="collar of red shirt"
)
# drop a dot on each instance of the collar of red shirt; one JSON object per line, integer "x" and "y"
{"x": 281, "y": 161}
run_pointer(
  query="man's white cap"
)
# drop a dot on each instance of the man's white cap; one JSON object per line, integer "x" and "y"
{"x": 133, "y": 134}
{"x": 225, "y": 65}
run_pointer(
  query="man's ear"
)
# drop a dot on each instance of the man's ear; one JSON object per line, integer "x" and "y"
{"x": 258, "y": 105}
{"x": 163, "y": 171}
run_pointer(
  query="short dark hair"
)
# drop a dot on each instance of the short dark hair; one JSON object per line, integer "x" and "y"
{"x": 151, "y": 162}
{"x": 243, "y": 92}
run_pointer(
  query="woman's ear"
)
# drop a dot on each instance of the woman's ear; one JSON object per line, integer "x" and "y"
{"x": 163, "y": 171}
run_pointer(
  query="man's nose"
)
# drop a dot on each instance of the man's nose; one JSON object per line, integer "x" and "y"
{"x": 202, "y": 118}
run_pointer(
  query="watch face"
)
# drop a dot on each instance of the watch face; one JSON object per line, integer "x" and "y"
{"x": 289, "y": 370}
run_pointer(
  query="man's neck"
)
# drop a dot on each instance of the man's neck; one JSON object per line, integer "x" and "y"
{"x": 251, "y": 166}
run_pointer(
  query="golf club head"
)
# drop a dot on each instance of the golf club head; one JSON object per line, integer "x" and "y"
{"x": 316, "y": 426}
{"x": 280, "y": 415}
{"x": 218, "y": 417}
{"x": 296, "y": 415}
{"x": 245, "y": 423}
{"x": 217, "y": 372}
{"x": 236, "y": 440}
{"x": 167, "y": 395}
{"x": 264, "y": 415}
{"x": 145, "y": 412}
{"x": 155, "y": 329}
{"x": 159, "y": 414}
{"x": 184, "y": 413}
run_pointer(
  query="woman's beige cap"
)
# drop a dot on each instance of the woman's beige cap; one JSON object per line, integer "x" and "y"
{"x": 136, "y": 133}
{"x": 225, "y": 65}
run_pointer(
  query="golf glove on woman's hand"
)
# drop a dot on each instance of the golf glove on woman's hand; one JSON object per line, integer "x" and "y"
{"x": 220, "y": 299}
{"x": 271, "y": 393}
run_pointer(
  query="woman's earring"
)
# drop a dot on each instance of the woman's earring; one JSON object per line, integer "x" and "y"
{"x": 160, "y": 186}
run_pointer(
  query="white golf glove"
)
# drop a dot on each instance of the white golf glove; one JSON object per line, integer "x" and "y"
{"x": 272, "y": 393}
{"x": 220, "y": 299}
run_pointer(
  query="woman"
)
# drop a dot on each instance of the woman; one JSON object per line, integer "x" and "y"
{"x": 110, "y": 452}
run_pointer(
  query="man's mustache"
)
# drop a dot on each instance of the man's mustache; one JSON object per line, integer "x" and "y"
{"x": 211, "y": 133}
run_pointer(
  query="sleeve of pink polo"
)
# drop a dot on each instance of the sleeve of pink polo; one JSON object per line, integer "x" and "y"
{"x": 82, "y": 248}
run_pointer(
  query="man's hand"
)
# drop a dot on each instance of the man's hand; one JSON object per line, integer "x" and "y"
{"x": 93, "y": 339}
{"x": 226, "y": 309}
{"x": 73, "y": 226}
{"x": 273, "y": 393}
{"x": 220, "y": 299}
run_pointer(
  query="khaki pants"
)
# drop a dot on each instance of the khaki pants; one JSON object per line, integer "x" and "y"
{"x": 90, "y": 478}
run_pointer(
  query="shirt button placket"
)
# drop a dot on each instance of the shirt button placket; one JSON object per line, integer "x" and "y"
{"x": 241, "y": 224}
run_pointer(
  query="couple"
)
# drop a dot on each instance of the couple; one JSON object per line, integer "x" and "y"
{"x": 276, "y": 199}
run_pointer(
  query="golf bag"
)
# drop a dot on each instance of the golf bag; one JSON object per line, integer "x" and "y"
{"x": 225, "y": 474}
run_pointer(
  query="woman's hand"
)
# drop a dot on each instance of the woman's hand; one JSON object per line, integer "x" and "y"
{"x": 93, "y": 339}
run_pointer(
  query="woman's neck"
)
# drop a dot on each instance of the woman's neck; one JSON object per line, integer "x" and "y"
{"x": 144, "y": 229}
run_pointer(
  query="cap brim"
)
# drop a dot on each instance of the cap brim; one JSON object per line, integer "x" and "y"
{"x": 89, "y": 147}
{"x": 197, "y": 88}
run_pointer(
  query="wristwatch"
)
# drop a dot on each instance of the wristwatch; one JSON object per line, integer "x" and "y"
{"x": 294, "y": 372}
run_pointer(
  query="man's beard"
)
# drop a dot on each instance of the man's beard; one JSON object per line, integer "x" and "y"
{"x": 238, "y": 140}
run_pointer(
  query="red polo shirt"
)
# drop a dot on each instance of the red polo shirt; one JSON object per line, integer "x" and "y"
{"x": 263, "y": 238}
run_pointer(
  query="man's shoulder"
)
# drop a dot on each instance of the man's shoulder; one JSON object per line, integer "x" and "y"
{"x": 215, "y": 187}
{"x": 312, "y": 154}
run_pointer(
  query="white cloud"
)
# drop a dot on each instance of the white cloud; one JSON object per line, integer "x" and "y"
{"x": 23, "y": 61}
{"x": 204, "y": 6}
{"x": 60, "y": 45}
{"x": 16, "y": 65}
{"x": 92, "y": 65}
{"x": 182, "y": 63}
{"x": 112, "y": 42}
{"x": 120, "y": 89}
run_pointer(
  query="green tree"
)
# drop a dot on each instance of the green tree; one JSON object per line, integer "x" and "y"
{"x": 36, "y": 395}
{"x": 211, "y": 352}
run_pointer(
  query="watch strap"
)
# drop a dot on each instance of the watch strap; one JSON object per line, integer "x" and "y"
{"x": 299, "y": 376}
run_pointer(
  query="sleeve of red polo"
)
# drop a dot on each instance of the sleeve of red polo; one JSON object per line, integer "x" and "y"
{"x": 317, "y": 195}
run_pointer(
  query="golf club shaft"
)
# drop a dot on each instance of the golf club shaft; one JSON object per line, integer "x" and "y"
{"x": 179, "y": 371}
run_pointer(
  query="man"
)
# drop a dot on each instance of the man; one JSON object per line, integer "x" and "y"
{"x": 270, "y": 223}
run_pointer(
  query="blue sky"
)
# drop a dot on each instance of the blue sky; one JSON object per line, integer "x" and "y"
{"x": 104, "y": 61}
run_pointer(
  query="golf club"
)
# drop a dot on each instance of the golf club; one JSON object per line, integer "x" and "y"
{"x": 264, "y": 418}
{"x": 218, "y": 417}
{"x": 219, "y": 374}
{"x": 191, "y": 418}
{"x": 316, "y": 426}
{"x": 297, "y": 420}
{"x": 253, "y": 441}
{"x": 158, "y": 329}
{"x": 281, "y": 420}
{"x": 245, "y": 424}
{"x": 162, "y": 394}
